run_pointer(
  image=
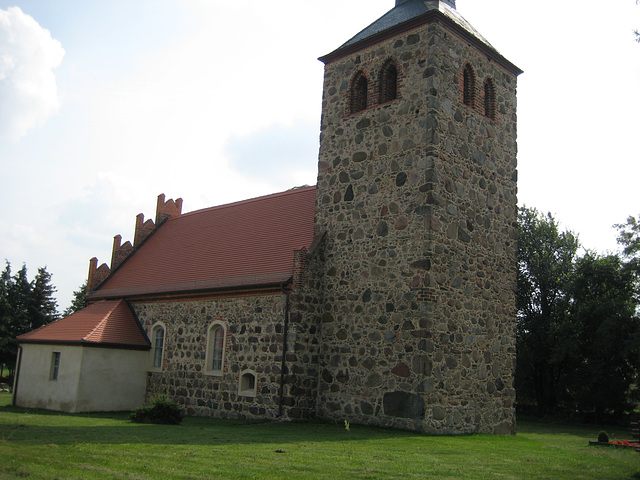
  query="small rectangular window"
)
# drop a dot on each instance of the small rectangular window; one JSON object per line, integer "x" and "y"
{"x": 55, "y": 366}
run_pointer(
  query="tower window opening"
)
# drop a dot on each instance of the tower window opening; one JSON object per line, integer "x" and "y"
{"x": 389, "y": 83}
{"x": 359, "y": 92}
{"x": 469, "y": 86}
{"x": 490, "y": 99}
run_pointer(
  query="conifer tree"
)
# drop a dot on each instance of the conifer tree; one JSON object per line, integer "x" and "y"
{"x": 6, "y": 316}
{"x": 24, "y": 305}
{"x": 79, "y": 300}
{"x": 44, "y": 308}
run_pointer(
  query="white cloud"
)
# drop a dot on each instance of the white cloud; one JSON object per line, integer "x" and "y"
{"x": 28, "y": 56}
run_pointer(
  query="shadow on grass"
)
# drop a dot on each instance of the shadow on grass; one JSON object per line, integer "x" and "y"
{"x": 537, "y": 425}
{"x": 25, "y": 427}
{"x": 44, "y": 427}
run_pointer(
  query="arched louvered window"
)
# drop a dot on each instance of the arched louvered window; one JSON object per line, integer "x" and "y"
{"x": 359, "y": 92}
{"x": 469, "y": 86}
{"x": 490, "y": 99}
{"x": 389, "y": 82}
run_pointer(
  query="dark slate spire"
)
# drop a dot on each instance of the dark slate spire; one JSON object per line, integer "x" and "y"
{"x": 406, "y": 13}
{"x": 407, "y": 10}
{"x": 451, "y": 3}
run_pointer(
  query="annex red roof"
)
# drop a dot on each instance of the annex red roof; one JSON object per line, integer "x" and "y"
{"x": 104, "y": 323}
{"x": 247, "y": 243}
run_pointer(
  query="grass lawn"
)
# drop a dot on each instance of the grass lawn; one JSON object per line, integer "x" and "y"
{"x": 45, "y": 445}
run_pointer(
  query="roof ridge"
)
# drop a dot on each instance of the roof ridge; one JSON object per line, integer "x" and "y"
{"x": 291, "y": 191}
{"x": 104, "y": 318}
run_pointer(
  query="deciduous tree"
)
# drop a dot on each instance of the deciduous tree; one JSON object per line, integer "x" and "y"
{"x": 578, "y": 336}
{"x": 607, "y": 335}
{"x": 546, "y": 259}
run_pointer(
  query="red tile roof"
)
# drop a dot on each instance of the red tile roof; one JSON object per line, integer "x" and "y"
{"x": 241, "y": 244}
{"x": 104, "y": 323}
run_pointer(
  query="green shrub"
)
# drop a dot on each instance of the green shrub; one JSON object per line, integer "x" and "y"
{"x": 603, "y": 437}
{"x": 160, "y": 410}
{"x": 139, "y": 415}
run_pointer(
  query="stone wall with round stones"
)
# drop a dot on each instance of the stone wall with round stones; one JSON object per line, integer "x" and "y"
{"x": 417, "y": 197}
{"x": 254, "y": 341}
{"x": 303, "y": 339}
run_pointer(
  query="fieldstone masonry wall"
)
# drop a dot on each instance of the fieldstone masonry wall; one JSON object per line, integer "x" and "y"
{"x": 303, "y": 345}
{"x": 418, "y": 200}
{"x": 255, "y": 327}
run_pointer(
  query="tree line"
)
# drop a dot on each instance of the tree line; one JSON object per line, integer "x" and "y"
{"x": 26, "y": 305}
{"x": 578, "y": 332}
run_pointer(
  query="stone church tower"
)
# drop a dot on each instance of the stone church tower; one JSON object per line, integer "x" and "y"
{"x": 416, "y": 197}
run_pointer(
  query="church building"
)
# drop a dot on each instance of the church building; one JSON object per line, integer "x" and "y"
{"x": 384, "y": 295}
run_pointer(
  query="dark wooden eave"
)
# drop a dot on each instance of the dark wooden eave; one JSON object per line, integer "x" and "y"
{"x": 270, "y": 288}
{"x": 84, "y": 343}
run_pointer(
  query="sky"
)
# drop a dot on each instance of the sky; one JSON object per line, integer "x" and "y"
{"x": 104, "y": 105}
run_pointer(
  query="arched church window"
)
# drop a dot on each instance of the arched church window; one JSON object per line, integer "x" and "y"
{"x": 490, "y": 99}
{"x": 359, "y": 92}
{"x": 158, "y": 337}
{"x": 388, "y": 82}
{"x": 215, "y": 348}
{"x": 469, "y": 86}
